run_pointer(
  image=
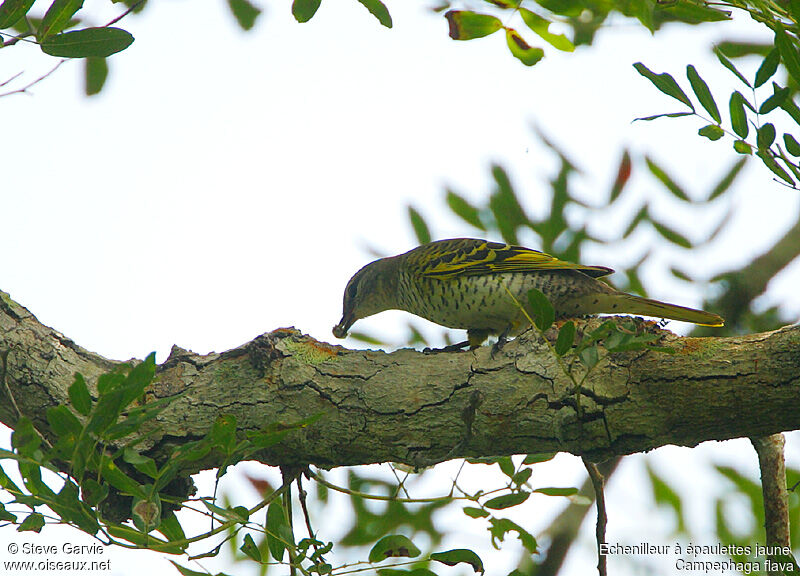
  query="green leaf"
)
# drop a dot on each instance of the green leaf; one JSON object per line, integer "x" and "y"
{"x": 304, "y": 10}
{"x": 589, "y": 356}
{"x": 79, "y": 396}
{"x": 768, "y": 67}
{"x": 769, "y": 162}
{"x": 506, "y": 465}
{"x": 501, "y": 526}
{"x": 702, "y": 92}
{"x": 186, "y": 571}
{"x": 95, "y": 72}
{"x": 146, "y": 512}
{"x": 543, "y": 312}
{"x": 521, "y": 50}
{"x": 738, "y": 115}
{"x": 34, "y": 522}
{"x": 421, "y": 229}
{"x": 569, "y": 8}
{"x": 393, "y": 546}
{"x": 223, "y": 433}
{"x": 57, "y": 17}
{"x": 552, "y": 491}
{"x": 671, "y": 235}
{"x": 6, "y": 516}
{"x": 69, "y": 507}
{"x": 279, "y": 533}
{"x": 729, "y": 65}
{"x": 505, "y": 206}
{"x": 765, "y": 136}
{"x": 666, "y": 180}
{"x": 774, "y": 101}
{"x": 93, "y": 492}
{"x": 250, "y": 548}
{"x": 89, "y": 42}
{"x": 461, "y": 207}
{"x": 566, "y": 338}
{"x": 792, "y": 145}
{"x": 665, "y": 83}
{"x": 467, "y": 25}
{"x": 143, "y": 464}
{"x": 379, "y": 10}
{"x": 712, "y": 132}
{"x": 25, "y": 439}
{"x": 459, "y": 556}
{"x": 666, "y": 115}
{"x": 119, "y": 480}
{"x": 522, "y": 476}
{"x": 789, "y": 54}
{"x": 728, "y": 179}
{"x": 665, "y": 495}
{"x": 507, "y": 500}
{"x": 473, "y": 512}
{"x": 537, "y": 458}
{"x": 541, "y": 27}
{"x": 245, "y": 13}
{"x": 12, "y": 10}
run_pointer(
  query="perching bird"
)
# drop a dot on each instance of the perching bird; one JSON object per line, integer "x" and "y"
{"x": 468, "y": 284}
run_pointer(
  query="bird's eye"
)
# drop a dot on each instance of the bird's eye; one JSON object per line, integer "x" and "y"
{"x": 352, "y": 288}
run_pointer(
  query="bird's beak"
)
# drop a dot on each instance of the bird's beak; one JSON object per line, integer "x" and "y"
{"x": 340, "y": 330}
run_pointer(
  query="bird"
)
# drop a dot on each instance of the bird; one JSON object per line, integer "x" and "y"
{"x": 481, "y": 286}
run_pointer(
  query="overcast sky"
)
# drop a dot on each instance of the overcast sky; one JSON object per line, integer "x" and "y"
{"x": 225, "y": 183}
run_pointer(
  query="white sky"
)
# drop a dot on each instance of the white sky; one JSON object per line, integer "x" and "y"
{"x": 225, "y": 184}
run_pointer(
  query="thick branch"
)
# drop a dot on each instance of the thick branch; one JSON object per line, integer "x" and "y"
{"x": 412, "y": 408}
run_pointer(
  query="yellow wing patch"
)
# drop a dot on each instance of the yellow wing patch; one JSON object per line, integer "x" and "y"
{"x": 467, "y": 257}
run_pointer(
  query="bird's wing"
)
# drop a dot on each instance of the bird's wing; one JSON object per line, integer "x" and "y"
{"x": 467, "y": 257}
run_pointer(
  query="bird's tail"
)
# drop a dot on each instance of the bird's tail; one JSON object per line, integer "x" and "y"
{"x": 629, "y": 304}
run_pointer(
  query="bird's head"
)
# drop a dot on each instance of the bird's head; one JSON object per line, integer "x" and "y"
{"x": 371, "y": 290}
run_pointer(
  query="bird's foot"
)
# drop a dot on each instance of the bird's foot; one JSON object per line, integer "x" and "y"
{"x": 498, "y": 346}
{"x": 458, "y": 347}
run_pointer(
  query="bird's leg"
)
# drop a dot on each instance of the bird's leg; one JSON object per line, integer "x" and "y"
{"x": 502, "y": 338}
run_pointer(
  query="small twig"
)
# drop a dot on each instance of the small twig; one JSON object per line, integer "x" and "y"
{"x": 128, "y": 11}
{"x": 24, "y": 89}
{"x": 301, "y": 493}
{"x": 602, "y": 519}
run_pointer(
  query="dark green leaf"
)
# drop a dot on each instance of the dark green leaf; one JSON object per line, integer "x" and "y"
{"x": 57, "y": 17}
{"x": 461, "y": 207}
{"x": 393, "y": 546}
{"x": 769, "y": 162}
{"x": 506, "y": 465}
{"x": 768, "y": 67}
{"x": 89, "y": 42}
{"x": 458, "y": 556}
{"x": 79, "y": 396}
{"x": 522, "y": 476}
{"x": 12, "y": 10}
{"x": 6, "y": 516}
{"x": 170, "y": 527}
{"x": 665, "y": 115}
{"x": 789, "y": 106}
{"x": 501, "y": 526}
{"x": 728, "y": 179}
{"x": 421, "y": 229}
{"x": 774, "y": 101}
{"x": 712, "y": 132}
{"x": 279, "y": 533}
{"x": 766, "y": 136}
{"x": 143, "y": 464}
{"x": 378, "y": 9}
{"x": 64, "y": 423}
{"x": 25, "y": 439}
{"x": 505, "y": 206}
{"x": 304, "y": 10}
{"x": 69, "y": 507}
{"x": 569, "y": 8}
{"x": 666, "y": 180}
{"x": 119, "y": 480}
{"x": 557, "y": 491}
{"x": 34, "y": 522}
{"x": 671, "y": 235}
{"x": 589, "y": 356}
{"x": 623, "y": 175}
{"x": 729, "y": 65}
{"x": 93, "y": 492}
{"x": 792, "y": 145}
{"x": 467, "y": 25}
{"x": 702, "y": 92}
{"x": 665, "y": 83}
{"x": 250, "y": 549}
{"x": 566, "y": 338}
{"x": 507, "y": 500}
{"x": 680, "y": 274}
{"x": 245, "y": 13}
{"x": 541, "y": 27}
{"x": 186, "y": 571}
{"x": 524, "y": 52}
{"x": 537, "y": 458}
{"x": 146, "y": 512}
{"x": 789, "y": 54}
{"x": 543, "y": 312}
{"x": 742, "y": 147}
{"x": 738, "y": 115}
{"x": 473, "y": 512}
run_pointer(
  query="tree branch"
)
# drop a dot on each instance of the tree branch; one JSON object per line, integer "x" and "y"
{"x": 408, "y": 407}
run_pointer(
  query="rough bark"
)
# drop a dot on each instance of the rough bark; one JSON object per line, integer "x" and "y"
{"x": 421, "y": 409}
